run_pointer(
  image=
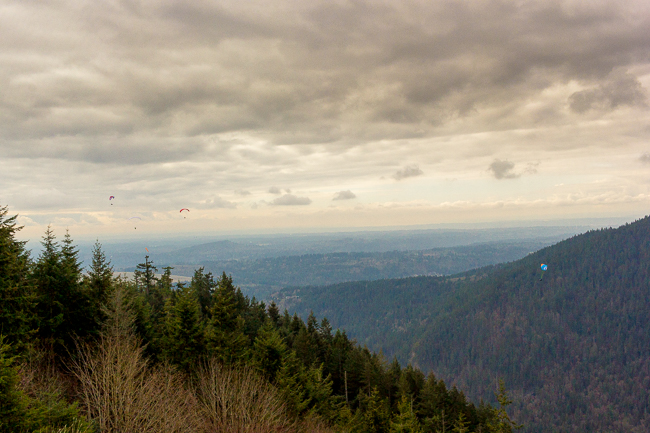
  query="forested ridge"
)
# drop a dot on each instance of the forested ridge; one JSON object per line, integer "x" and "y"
{"x": 88, "y": 352}
{"x": 574, "y": 348}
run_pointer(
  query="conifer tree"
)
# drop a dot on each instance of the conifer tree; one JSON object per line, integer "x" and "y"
{"x": 145, "y": 275}
{"x": 185, "y": 345}
{"x": 225, "y": 333}
{"x": 13, "y": 405}
{"x": 16, "y": 299}
{"x": 374, "y": 412}
{"x": 405, "y": 421}
{"x": 268, "y": 351}
{"x": 99, "y": 282}
{"x": 51, "y": 296}
{"x": 204, "y": 286}
{"x": 274, "y": 314}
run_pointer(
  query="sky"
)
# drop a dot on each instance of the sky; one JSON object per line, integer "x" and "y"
{"x": 259, "y": 115}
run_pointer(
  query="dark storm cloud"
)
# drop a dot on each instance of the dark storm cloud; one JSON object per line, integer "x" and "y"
{"x": 503, "y": 169}
{"x": 291, "y": 200}
{"x": 408, "y": 171}
{"x": 344, "y": 195}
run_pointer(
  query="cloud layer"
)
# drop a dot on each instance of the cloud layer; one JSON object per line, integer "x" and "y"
{"x": 206, "y": 104}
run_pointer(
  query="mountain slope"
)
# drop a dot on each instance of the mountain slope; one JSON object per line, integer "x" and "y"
{"x": 574, "y": 348}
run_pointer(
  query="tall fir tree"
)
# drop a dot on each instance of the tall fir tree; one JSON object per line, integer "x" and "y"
{"x": 99, "y": 282}
{"x": 405, "y": 421}
{"x": 268, "y": 351}
{"x": 145, "y": 275}
{"x": 184, "y": 345}
{"x": 16, "y": 298}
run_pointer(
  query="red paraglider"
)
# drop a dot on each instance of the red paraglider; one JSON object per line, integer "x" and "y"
{"x": 183, "y": 210}
{"x": 111, "y": 198}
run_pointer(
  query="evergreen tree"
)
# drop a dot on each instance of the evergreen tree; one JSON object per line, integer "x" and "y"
{"x": 274, "y": 314}
{"x": 374, "y": 412}
{"x": 225, "y": 332}
{"x": 268, "y": 351}
{"x": 99, "y": 282}
{"x": 16, "y": 299}
{"x": 185, "y": 345}
{"x": 501, "y": 422}
{"x": 13, "y": 404}
{"x": 204, "y": 286}
{"x": 80, "y": 318}
{"x": 51, "y": 296}
{"x": 405, "y": 421}
{"x": 145, "y": 275}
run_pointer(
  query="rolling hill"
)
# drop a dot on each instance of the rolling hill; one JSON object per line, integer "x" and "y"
{"x": 574, "y": 348}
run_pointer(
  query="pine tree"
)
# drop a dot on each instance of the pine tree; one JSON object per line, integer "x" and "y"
{"x": 13, "y": 404}
{"x": 374, "y": 412}
{"x": 16, "y": 299}
{"x": 204, "y": 286}
{"x": 268, "y": 351}
{"x": 185, "y": 345}
{"x": 99, "y": 282}
{"x": 145, "y": 275}
{"x": 405, "y": 421}
{"x": 274, "y": 314}
{"x": 225, "y": 332}
{"x": 50, "y": 295}
{"x": 501, "y": 422}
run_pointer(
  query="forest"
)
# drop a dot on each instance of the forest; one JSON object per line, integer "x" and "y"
{"x": 83, "y": 351}
{"x": 571, "y": 342}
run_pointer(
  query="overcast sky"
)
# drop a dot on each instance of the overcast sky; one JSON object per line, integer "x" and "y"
{"x": 311, "y": 114}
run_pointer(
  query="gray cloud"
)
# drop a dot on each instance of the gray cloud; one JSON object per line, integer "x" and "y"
{"x": 619, "y": 89}
{"x": 275, "y": 190}
{"x": 242, "y": 192}
{"x": 408, "y": 171}
{"x": 503, "y": 169}
{"x": 344, "y": 195}
{"x": 319, "y": 73}
{"x": 291, "y": 200}
{"x": 645, "y": 158}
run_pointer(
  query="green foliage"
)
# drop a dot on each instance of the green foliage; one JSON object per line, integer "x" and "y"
{"x": 268, "y": 351}
{"x": 184, "y": 337}
{"x": 21, "y": 413}
{"x": 570, "y": 347}
{"x": 405, "y": 421}
{"x": 16, "y": 298}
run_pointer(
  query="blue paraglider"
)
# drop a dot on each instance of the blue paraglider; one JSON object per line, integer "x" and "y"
{"x": 544, "y": 268}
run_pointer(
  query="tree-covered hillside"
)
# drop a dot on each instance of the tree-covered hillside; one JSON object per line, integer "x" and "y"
{"x": 574, "y": 347}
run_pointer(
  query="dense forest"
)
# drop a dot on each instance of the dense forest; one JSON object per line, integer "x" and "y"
{"x": 82, "y": 351}
{"x": 572, "y": 344}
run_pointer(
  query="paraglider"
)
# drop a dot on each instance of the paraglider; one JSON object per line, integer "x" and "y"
{"x": 135, "y": 217}
{"x": 181, "y": 211}
{"x": 111, "y": 198}
{"x": 146, "y": 249}
{"x": 544, "y": 268}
